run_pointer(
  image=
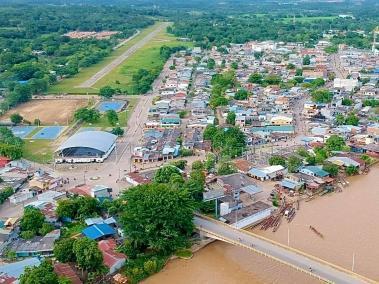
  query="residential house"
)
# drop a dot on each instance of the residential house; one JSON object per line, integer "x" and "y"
{"x": 98, "y": 231}
{"x": 112, "y": 259}
{"x": 38, "y": 246}
{"x": 267, "y": 173}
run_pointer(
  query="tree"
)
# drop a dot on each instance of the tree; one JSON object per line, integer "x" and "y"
{"x": 87, "y": 254}
{"x": 16, "y": 118}
{"x": 87, "y": 114}
{"x": 231, "y": 118}
{"x": 32, "y": 220}
{"x": 234, "y": 65}
{"x": 322, "y": 96}
{"x": 255, "y": 78}
{"x": 277, "y": 160}
{"x": 293, "y": 164}
{"x": 210, "y": 161}
{"x": 311, "y": 160}
{"x": 112, "y": 117}
{"x": 197, "y": 166}
{"x": 241, "y": 95}
{"x": 27, "y": 235}
{"x": 78, "y": 208}
{"x": 10, "y": 145}
{"x": 63, "y": 250}
{"x": 163, "y": 174}
{"x": 37, "y": 122}
{"x": 340, "y": 119}
{"x": 181, "y": 164}
{"x": 335, "y": 143}
{"x": 118, "y": 131}
{"x": 211, "y": 63}
{"x": 107, "y": 92}
{"x": 332, "y": 169}
{"x": 226, "y": 168}
{"x": 352, "y": 119}
{"x": 306, "y": 60}
{"x": 291, "y": 66}
{"x": 5, "y": 193}
{"x": 42, "y": 274}
{"x": 366, "y": 158}
{"x": 45, "y": 229}
{"x": 158, "y": 216}
{"x": 347, "y": 102}
{"x": 351, "y": 170}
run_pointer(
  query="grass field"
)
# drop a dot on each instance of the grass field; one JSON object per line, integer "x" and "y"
{"x": 68, "y": 85}
{"x": 40, "y": 151}
{"x": 307, "y": 19}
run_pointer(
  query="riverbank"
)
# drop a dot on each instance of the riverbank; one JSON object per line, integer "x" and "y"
{"x": 347, "y": 221}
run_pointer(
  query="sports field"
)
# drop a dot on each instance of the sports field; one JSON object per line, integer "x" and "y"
{"x": 69, "y": 85}
{"x": 49, "y": 112}
{"x": 111, "y": 105}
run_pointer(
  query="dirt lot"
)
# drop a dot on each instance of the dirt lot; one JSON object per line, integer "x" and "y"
{"x": 50, "y": 112}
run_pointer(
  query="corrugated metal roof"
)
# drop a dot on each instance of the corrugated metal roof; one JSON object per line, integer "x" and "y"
{"x": 97, "y": 231}
{"x": 17, "y": 268}
{"x": 99, "y": 140}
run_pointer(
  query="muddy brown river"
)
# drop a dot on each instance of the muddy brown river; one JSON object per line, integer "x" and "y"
{"x": 349, "y": 222}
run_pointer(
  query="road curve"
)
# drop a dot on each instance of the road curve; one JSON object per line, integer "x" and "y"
{"x": 108, "y": 68}
{"x": 309, "y": 264}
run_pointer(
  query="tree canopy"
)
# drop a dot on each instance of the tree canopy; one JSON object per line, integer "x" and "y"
{"x": 157, "y": 216}
{"x": 42, "y": 274}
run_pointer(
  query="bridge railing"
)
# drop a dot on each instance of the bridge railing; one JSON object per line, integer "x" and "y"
{"x": 314, "y": 258}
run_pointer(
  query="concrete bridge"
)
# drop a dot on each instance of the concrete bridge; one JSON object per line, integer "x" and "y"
{"x": 311, "y": 265}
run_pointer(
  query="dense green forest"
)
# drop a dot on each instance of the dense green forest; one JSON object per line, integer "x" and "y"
{"x": 220, "y": 29}
{"x": 34, "y": 51}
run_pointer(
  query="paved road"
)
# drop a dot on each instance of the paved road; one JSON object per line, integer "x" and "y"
{"x": 320, "y": 269}
{"x": 107, "y": 69}
{"x": 336, "y": 65}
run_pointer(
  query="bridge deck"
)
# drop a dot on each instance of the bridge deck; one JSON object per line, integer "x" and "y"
{"x": 296, "y": 259}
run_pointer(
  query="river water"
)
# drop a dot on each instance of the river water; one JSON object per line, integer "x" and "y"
{"x": 348, "y": 220}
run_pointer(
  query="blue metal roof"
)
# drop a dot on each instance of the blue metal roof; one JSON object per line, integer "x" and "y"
{"x": 99, "y": 140}
{"x": 98, "y": 231}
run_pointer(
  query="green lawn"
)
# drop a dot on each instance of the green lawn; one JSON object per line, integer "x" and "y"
{"x": 308, "y": 19}
{"x": 68, "y": 85}
{"x": 39, "y": 151}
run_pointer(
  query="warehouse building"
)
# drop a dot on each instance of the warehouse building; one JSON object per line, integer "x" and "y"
{"x": 86, "y": 147}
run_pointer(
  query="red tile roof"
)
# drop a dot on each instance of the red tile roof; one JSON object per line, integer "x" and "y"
{"x": 81, "y": 190}
{"x": 110, "y": 255}
{"x": 65, "y": 269}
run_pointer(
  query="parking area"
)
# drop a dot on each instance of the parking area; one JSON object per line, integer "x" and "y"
{"x": 111, "y": 105}
{"x": 49, "y": 132}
